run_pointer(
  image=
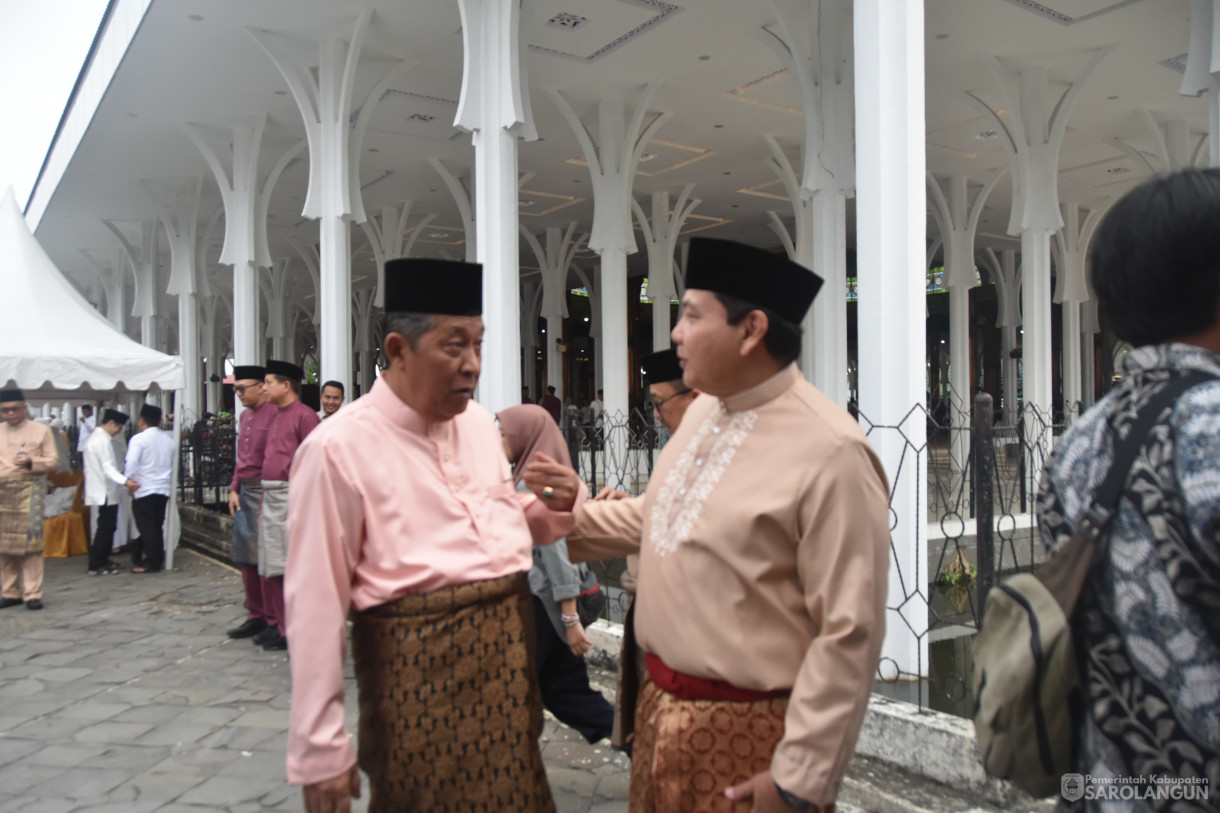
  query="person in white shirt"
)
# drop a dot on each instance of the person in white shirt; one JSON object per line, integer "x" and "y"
{"x": 104, "y": 489}
{"x": 150, "y": 458}
{"x": 87, "y": 425}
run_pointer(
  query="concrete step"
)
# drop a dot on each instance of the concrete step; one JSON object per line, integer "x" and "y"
{"x": 874, "y": 786}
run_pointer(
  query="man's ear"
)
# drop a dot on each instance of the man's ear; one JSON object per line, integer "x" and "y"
{"x": 756, "y": 324}
{"x": 395, "y": 346}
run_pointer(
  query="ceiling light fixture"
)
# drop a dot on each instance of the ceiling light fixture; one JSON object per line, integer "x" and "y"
{"x": 987, "y": 135}
{"x": 567, "y": 21}
{"x": 1117, "y": 171}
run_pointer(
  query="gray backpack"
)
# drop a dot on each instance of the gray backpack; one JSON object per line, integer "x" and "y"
{"x": 1026, "y": 678}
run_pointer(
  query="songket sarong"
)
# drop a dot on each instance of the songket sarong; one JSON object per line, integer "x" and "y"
{"x": 245, "y": 524}
{"x": 450, "y": 712}
{"x": 273, "y": 529}
{"x": 21, "y": 501}
{"x": 688, "y": 751}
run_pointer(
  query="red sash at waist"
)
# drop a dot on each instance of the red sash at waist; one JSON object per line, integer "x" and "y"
{"x": 689, "y": 687}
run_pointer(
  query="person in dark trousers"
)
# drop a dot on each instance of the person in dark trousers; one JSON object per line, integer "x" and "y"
{"x": 555, "y": 583}
{"x": 150, "y": 459}
{"x": 104, "y": 485}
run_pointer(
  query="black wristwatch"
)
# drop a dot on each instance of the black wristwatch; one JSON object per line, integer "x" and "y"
{"x": 792, "y": 800}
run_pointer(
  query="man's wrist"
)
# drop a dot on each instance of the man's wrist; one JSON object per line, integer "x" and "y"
{"x": 795, "y": 802}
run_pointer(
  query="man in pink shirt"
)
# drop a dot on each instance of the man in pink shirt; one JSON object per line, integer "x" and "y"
{"x": 246, "y": 492}
{"x": 402, "y": 510}
{"x": 291, "y": 423}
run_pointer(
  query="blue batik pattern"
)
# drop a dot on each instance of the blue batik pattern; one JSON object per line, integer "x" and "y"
{"x": 1147, "y": 625}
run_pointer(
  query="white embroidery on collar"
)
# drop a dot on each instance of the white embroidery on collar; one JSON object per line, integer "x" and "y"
{"x": 665, "y": 535}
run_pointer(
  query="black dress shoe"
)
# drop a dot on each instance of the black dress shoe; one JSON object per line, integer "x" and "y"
{"x": 277, "y": 644}
{"x": 9, "y": 602}
{"x": 269, "y": 634}
{"x": 34, "y": 604}
{"x": 251, "y": 627}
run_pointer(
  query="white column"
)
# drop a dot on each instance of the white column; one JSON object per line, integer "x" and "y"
{"x": 1033, "y": 131}
{"x": 324, "y": 97}
{"x": 178, "y": 211}
{"x": 823, "y": 76}
{"x": 825, "y": 327}
{"x": 1071, "y": 364}
{"x": 188, "y": 349}
{"x": 554, "y": 260}
{"x": 890, "y": 228}
{"x": 389, "y": 239}
{"x": 111, "y": 281}
{"x": 661, "y": 237}
{"x": 612, "y": 159}
{"x": 495, "y": 109}
{"x": 1203, "y": 69}
{"x": 1088, "y": 373}
{"x": 211, "y": 345}
{"x": 1036, "y": 322}
{"x": 1071, "y": 248}
{"x": 462, "y": 195}
{"x": 245, "y": 207}
{"x": 958, "y": 217}
{"x": 364, "y": 314}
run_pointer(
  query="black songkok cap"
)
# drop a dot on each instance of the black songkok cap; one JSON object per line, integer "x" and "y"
{"x": 661, "y": 367}
{"x": 151, "y": 414}
{"x": 246, "y": 372}
{"x": 753, "y": 275}
{"x": 114, "y": 415}
{"x": 11, "y": 394}
{"x": 284, "y": 369}
{"x": 416, "y": 285}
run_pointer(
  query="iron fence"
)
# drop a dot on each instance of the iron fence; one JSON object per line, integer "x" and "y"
{"x": 979, "y": 526}
{"x": 209, "y": 451}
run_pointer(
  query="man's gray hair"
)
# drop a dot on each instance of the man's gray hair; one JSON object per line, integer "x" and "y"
{"x": 411, "y": 326}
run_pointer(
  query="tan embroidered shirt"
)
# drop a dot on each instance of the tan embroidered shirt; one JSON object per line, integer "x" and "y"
{"x": 764, "y": 555}
{"x": 35, "y": 440}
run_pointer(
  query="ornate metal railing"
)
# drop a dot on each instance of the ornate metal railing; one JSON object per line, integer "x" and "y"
{"x": 208, "y": 449}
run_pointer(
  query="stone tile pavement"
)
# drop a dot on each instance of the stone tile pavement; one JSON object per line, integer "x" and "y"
{"x": 124, "y": 696}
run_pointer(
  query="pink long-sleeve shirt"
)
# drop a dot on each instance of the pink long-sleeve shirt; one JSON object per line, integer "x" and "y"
{"x": 252, "y": 443}
{"x": 288, "y": 428}
{"x": 382, "y": 504}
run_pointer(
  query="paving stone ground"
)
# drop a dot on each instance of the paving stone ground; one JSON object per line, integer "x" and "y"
{"x": 123, "y": 695}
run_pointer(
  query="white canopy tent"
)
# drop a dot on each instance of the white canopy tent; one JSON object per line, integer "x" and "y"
{"x": 57, "y": 348}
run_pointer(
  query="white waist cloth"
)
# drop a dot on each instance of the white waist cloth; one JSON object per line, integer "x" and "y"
{"x": 273, "y": 528}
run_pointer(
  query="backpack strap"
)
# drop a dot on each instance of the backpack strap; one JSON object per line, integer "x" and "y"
{"x": 1105, "y": 499}
{"x": 1065, "y": 573}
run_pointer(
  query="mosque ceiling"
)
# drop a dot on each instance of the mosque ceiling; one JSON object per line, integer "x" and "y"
{"x": 194, "y": 61}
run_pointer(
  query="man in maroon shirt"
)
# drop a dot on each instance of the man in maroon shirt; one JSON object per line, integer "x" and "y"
{"x": 292, "y": 422}
{"x": 246, "y": 492}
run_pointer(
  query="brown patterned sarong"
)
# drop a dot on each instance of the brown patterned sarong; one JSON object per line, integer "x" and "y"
{"x": 688, "y": 751}
{"x": 450, "y": 711}
{"x": 21, "y": 502}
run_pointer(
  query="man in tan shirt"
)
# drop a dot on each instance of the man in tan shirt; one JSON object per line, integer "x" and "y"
{"x": 763, "y": 538}
{"x": 27, "y": 453}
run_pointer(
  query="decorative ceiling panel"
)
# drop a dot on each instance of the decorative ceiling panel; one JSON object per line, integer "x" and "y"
{"x": 602, "y": 25}
{"x": 1071, "y": 12}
